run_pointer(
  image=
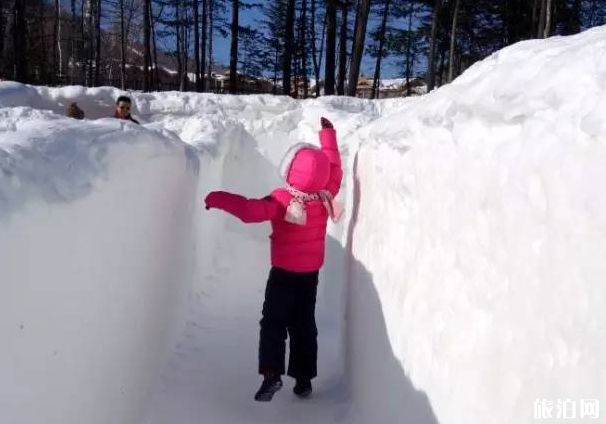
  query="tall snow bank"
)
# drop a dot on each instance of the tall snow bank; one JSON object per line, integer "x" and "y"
{"x": 479, "y": 225}
{"x": 95, "y": 255}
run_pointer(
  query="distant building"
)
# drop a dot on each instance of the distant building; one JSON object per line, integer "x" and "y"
{"x": 246, "y": 84}
{"x": 391, "y": 88}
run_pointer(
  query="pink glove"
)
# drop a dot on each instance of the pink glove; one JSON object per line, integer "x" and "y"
{"x": 214, "y": 199}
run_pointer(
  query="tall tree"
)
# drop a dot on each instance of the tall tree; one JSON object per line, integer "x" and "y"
{"x": 19, "y": 49}
{"x": 253, "y": 56}
{"x": 72, "y": 47}
{"x": 542, "y": 16}
{"x": 314, "y": 47}
{"x": 146, "y": 45}
{"x": 275, "y": 29}
{"x": 98, "y": 44}
{"x": 358, "y": 47}
{"x": 535, "y": 17}
{"x": 453, "y": 36}
{"x": 179, "y": 40}
{"x": 548, "y": 16}
{"x": 343, "y": 48}
{"x": 409, "y": 49}
{"x": 56, "y": 43}
{"x": 156, "y": 82}
{"x": 303, "y": 48}
{"x": 431, "y": 60}
{"x": 203, "y": 46}
{"x": 197, "y": 72}
{"x": 211, "y": 30}
{"x": 37, "y": 39}
{"x": 2, "y": 37}
{"x": 88, "y": 41}
{"x": 82, "y": 51}
{"x": 380, "y": 52}
{"x": 331, "y": 42}
{"x": 233, "y": 57}
{"x": 185, "y": 37}
{"x": 288, "y": 48}
{"x": 122, "y": 47}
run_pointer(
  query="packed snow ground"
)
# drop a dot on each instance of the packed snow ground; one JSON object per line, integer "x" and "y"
{"x": 465, "y": 283}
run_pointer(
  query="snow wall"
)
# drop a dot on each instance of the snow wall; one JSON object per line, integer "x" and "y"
{"x": 472, "y": 260}
{"x": 479, "y": 222}
{"x": 95, "y": 260}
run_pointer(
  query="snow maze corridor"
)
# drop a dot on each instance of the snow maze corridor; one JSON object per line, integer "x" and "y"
{"x": 464, "y": 282}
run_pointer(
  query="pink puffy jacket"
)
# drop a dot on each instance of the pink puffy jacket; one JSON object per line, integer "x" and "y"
{"x": 296, "y": 248}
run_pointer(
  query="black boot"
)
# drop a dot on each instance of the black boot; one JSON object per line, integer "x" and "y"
{"x": 302, "y": 388}
{"x": 271, "y": 384}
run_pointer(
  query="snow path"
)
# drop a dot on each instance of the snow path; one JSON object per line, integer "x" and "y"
{"x": 211, "y": 377}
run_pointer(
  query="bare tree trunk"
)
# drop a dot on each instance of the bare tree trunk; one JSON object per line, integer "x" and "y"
{"x": 146, "y": 45}
{"x": 60, "y": 50}
{"x": 296, "y": 74}
{"x": 314, "y": 52}
{"x": 184, "y": 86}
{"x": 98, "y": 46}
{"x": 442, "y": 68}
{"x": 409, "y": 59}
{"x": 2, "y": 37}
{"x": 56, "y": 44}
{"x": 73, "y": 58}
{"x": 321, "y": 55}
{"x": 211, "y": 23}
{"x": 542, "y": 15}
{"x": 43, "y": 70}
{"x": 88, "y": 42}
{"x": 288, "y": 48}
{"x": 197, "y": 46}
{"x": 82, "y": 52}
{"x": 548, "y": 15}
{"x": 343, "y": 50}
{"x": 535, "y": 10}
{"x": 233, "y": 60}
{"x": 274, "y": 89}
{"x": 203, "y": 47}
{"x": 453, "y": 36}
{"x": 156, "y": 84}
{"x": 122, "y": 48}
{"x": 357, "y": 13}
{"x": 377, "y": 78}
{"x": 431, "y": 61}
{"x": 91, "y": 41}
{"x": 358, "y": 47}
{"x": 19, "y": 27}
{"x": 179, "y": 42}
{"x": 304, "y": 49}
{"x": 331, "y": 41}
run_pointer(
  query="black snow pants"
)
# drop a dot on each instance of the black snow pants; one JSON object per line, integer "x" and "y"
{"x": 289, "y": 307}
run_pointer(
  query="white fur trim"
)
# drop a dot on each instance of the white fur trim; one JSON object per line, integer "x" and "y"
{"x": 290, "y": 155}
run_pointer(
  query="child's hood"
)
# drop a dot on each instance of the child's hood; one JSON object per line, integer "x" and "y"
{"x": 306, "y": 168}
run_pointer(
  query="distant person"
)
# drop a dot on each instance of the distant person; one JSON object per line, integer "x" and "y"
{"x": 123, "y": 106}
{"x": 73, "y": 111}
{"x": 299, "y": 213}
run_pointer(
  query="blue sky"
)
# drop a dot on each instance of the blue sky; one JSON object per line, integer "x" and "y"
{"x": 251, "y": 18}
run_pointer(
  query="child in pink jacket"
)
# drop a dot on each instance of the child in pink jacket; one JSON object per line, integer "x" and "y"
{"x": 299, "y": 215}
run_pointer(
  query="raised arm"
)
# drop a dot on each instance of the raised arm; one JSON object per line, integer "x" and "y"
{"x": 247, "y": 210}
{"x": 328, "y": 141}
